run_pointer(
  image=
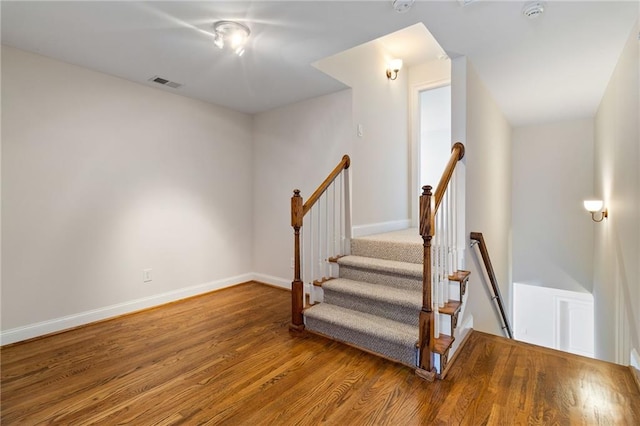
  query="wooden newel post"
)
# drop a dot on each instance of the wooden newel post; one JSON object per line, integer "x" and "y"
{"x": 426, "y": 368}
{"x": 297, "y": 287}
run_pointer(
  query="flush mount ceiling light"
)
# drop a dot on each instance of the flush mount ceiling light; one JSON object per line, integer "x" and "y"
{"x": 533, "y": 9}
{"x": 231, "y": 34}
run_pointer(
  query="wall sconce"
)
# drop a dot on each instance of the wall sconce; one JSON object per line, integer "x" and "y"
{"x": 393, "y": 66}
{"x": 595, "y": 206}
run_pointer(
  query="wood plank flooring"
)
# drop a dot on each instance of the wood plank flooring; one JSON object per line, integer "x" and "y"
{"x": 228, "y": 358}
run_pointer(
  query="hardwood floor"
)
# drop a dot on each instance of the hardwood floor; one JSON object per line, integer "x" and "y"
{"x": 228, "y": 358}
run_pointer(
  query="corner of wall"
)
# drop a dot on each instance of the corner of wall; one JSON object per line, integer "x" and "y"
{"x": 634, "y": 365}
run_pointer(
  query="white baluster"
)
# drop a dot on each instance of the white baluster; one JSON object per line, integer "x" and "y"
{"x": 336, "y": 220}
{"x": 443, "y": 249}
{"x": 441, "y": 259}
{"x": 434, "y": 286}
{"x": 449, "y": 270}
{"x": 325, "y": 237}
{"x": 309, "y": 260}
{"x": 342, "y": 232}
{"x": 319, "y": 241}
{"x": 347, "y": 213}
{"x": 304, "y": 273}
{"x": 454, "y": 208}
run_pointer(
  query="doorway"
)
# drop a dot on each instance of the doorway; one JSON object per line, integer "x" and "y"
{"x": 431, "y": 146}
{"x": 435, "y": 133}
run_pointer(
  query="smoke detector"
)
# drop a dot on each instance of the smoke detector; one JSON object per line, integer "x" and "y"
{"x": 533, "y": 9}
{"x": 402, "y": 6}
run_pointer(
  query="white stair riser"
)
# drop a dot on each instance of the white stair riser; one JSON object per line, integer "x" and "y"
{"x": 444, "y": 323}
{"x": 454, "y": 290}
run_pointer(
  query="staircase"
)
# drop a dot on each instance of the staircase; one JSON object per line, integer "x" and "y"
{"x": 375, "y": 302}
{"x": 392, "y": 294}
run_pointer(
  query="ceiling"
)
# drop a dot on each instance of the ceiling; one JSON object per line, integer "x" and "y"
{"x": 550, "y": 68}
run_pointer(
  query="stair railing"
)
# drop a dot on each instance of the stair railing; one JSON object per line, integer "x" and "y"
{"x": 439, "y": 259}
{"x": 478, "y": 238}
{"x": 328, "y": 235}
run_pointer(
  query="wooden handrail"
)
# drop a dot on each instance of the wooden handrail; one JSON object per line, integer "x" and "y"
{"x": 298, "y": 211}
{"x": 429, "y": 204}
{"x": 457, "y": 154}
{"x": 343, "y": 164}
{"x": 477, "y": 236}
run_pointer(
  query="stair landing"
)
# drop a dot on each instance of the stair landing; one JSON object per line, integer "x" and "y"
{"x": 404, "y": 245}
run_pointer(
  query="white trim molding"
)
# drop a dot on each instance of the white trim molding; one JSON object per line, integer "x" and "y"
{"x": 378, "y": 228}
{"x": 274, "y": 281}
{"x": 415, "y": 146}
{"x": 83, "y": 318}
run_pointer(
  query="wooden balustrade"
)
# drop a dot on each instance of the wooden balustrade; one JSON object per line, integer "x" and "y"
{"x": 297, "y": 287}
{"x": 429, "y": 204}
{"x": 342, "y": 165}
{"x": 298, "y": 211}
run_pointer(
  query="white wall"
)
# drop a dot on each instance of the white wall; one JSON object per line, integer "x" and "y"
{"x": 565, "y": 324}
{"x": 294, "y": 147}
{"x": 431, "y": 73}
{"x": 552, "y": 233}
{"x": 102, "y": 178}
{"x": 617, "y": 239}
{"x": 298, "y": 145}
{"x": 487, "y": 175}
{"x": 381, "y": 156}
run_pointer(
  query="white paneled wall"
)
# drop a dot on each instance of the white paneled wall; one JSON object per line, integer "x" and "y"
{"x": 554, "y": 318}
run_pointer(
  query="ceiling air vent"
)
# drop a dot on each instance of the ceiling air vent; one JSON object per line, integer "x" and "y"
{"x": 165, "y": 82}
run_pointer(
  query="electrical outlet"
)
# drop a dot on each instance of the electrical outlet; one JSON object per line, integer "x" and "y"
{"x": 146, "y": 275}
{"x": 292, "y": 263}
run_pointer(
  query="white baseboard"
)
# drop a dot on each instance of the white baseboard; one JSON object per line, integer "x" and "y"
{"x": 634, "y": 359}
{"x": 379, "y": 228}
{"x": 634, "y": 366}
{"x": 462, "y": 332}
{"x": 70, "y": 321}
{"x": 271, "y": 280}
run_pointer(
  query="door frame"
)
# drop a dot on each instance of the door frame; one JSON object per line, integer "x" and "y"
{"x": 415, "y": 149}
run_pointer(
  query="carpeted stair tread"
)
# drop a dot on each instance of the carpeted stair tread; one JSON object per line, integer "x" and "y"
{"x": 370, "y": 324}
{"x": 403, "y": 245}
{"x": 413, "y": 270}
{"x": 396, "y": 304}
{"x": 389, "y": 338}
{"x": 396, "y": 296}
{"x": 381, "y": 278}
